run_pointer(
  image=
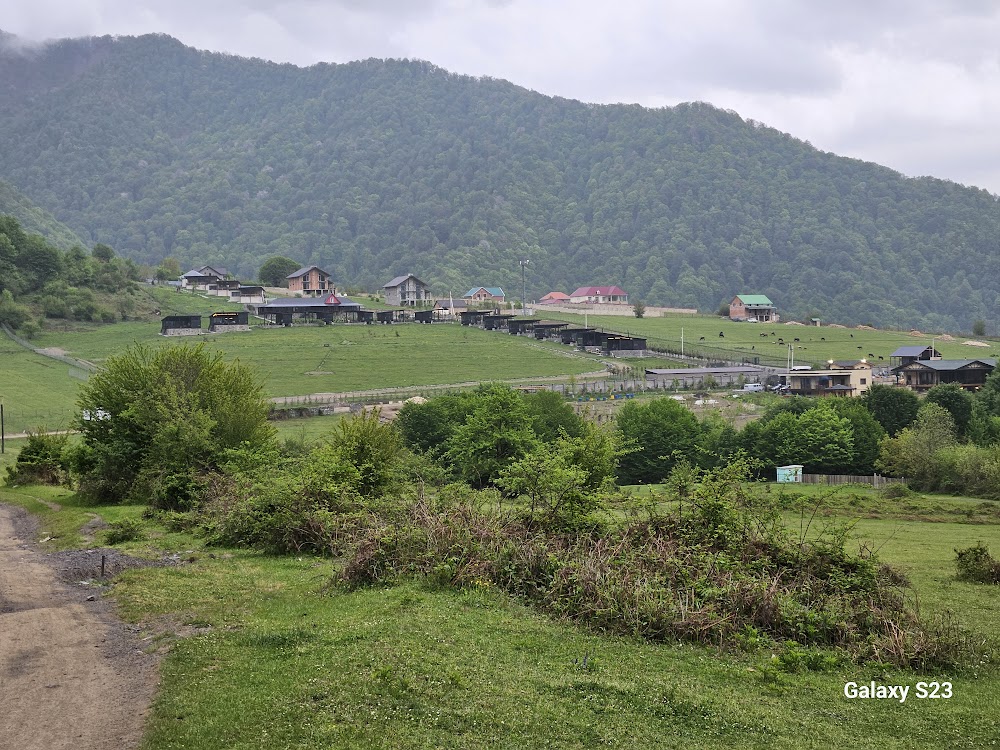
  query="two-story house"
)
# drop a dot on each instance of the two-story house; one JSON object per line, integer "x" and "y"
{"x": 407, "y": 291}
{"x": 310, "y": 281}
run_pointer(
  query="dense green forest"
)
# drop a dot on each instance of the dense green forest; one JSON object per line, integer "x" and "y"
{"x": 34, "y": 219}
{"x": 376, "y": 168}
{"x": 39, "y": 281}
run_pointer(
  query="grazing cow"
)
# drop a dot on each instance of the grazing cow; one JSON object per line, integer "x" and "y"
{"x": 702, "y": 338}
{"x": 852, "y": 335}
{"x": 763, "y": 335}
{"x": 781, "y": 341}
{"x": 860, "y": 347}
{"x": 722, "y": 335}
{"x": 880, "y": 358}
{"x": 871, "y": 356}
{"x": 822, "y": 338}
{"x": 772, "y": 333}
{"x": 796, "y": 339}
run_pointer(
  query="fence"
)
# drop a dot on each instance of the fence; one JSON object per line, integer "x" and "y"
{"x": 875, "y": 480}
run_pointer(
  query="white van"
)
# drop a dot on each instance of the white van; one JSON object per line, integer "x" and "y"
{"x": 753, "y": 387}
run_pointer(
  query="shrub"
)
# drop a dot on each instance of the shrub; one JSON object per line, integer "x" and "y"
{"x": 125, "y": 530}
{"x": 976, "y": 565}
{"x": 40, "y": 461}
{"x": 724, "y": 568}
{"x": 896, "y": 491}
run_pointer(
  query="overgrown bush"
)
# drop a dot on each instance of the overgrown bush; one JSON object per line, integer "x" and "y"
{"x": 976, "y": 565}
{"x": 723, "y": 566}
{"x": 40, "y": 461}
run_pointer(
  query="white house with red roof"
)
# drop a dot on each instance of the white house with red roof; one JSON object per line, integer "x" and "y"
{"x": 598, "y": 295}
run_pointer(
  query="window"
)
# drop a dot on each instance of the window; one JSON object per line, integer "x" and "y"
{"x": 864, "y": 381}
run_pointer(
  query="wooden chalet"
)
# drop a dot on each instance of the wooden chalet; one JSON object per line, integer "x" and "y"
{"x": 921, "y": 375}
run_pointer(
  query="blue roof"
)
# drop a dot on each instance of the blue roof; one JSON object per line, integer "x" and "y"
{"x": 494, "y": 291}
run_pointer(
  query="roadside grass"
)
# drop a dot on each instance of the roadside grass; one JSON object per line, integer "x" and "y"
{"x": 746, "y": 338}
{"x": 273, "y": 656}
{"x": 12, "y": 447}
{"x": 330, "y": 359}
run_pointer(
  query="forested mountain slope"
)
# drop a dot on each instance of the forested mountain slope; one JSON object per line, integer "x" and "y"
{"x": 376, "y": 168}
{"x": 35, "y": 219}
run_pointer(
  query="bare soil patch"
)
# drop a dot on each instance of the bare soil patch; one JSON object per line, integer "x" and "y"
{"x": 71, "y": 674}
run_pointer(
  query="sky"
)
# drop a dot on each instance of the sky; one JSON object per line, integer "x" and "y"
{"x": 910, "y": 84}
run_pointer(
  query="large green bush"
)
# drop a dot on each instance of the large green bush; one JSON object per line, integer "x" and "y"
{"x": 152, "y": 420}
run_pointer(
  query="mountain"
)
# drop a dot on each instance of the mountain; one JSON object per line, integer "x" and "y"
{"x": 36, "y": 220}
{"x": 382, "y": 167}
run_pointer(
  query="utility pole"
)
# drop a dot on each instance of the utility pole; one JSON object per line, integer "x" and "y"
{"x": 524, "y": 301}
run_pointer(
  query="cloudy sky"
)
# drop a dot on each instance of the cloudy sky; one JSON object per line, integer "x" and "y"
{"x": 912, "y": 84}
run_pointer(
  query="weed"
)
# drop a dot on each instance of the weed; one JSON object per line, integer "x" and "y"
{"x": 125, "y": 530}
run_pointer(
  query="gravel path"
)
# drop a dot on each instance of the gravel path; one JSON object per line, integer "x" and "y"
{"x": 71, "y": 674}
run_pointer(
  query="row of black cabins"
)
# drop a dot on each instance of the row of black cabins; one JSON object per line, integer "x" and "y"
{"x": 608, "y": 342}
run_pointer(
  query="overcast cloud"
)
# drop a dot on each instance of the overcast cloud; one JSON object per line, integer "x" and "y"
{"x": 912, "y": 84}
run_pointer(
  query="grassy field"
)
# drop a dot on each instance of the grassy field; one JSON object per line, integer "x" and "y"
{"x": 274, "y": 657}
{"x": 36, "y": 391}
{"x": 321, "y": 359}
{"x": 815, "y": 345}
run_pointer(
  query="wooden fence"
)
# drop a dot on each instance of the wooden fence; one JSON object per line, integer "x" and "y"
{"x": 875, "y": 480}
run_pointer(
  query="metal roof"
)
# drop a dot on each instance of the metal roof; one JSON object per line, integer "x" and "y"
{"x": 910, "y": 351}
{"x": 947, "y": 365}
{"x": 599, "y": 291}
{"x": 705, "y": 371}
{"x": 400, "y": 279}
{"x": 328, "y": 301}
{"x": 493, "y": 291}
{"x": 754, "y": 299}
{"x": 304, "y": 270}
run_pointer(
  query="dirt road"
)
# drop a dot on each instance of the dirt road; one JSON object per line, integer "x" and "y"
{"x": 71, "y": 675}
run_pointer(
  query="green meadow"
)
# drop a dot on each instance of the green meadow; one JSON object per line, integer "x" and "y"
{"x": 36, "y": 391}
{"x": 330, "y": 359}
{"x": 263, "y": 651}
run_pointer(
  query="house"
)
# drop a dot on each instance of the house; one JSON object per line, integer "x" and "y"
{"x": 554, "y": 298}
{"x": 904, "y": 355}
{"x": 450, "y": 307}
{"x": 324, "y": 309}
{"x": 310, "y": 281}
{"x": 180, "y": 325}
{"x": 752, "y": 307}
{"x": 249, "y": 295}
{"x": 203, "y": 278}
{"x": 485, "y": 294}
{"x": 841, "y": 378}
{"x": 923, "y": 374}
{"x": 599, "y": 295}
{"x": 225, "y": 287}
{"x": 406, "y": 290}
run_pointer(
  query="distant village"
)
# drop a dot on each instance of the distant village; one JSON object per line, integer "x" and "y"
{"x": 408, "y": 299}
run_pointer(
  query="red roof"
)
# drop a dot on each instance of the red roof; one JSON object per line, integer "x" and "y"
{"x": 599, "y": 291}
{"x": 552, "y": 296}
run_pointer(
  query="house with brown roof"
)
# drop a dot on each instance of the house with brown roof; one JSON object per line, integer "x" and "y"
{"x": 310, "y": 281}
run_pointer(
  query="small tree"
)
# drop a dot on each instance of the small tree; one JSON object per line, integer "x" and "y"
{"x": 274, "y": 271}
{"x": 979, "y": 328}
{"x": 639, "y": 309}
{"x": 893, "y": 408}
